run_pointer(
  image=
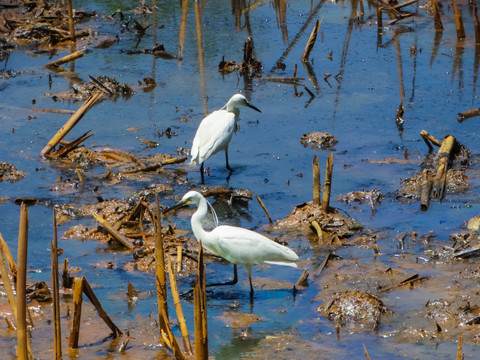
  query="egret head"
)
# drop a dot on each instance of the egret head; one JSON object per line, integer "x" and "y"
{"x": 239, "y": 99}
{"x": 191, "y": 197}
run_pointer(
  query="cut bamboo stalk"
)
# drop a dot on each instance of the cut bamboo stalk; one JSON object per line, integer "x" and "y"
{"x": 70, "y": 124}
{"x": 425, "y": 190}
{"x": 328, "y": 184}
{"x": 160, "y": 269}
{"x": 66, "y": 59}
{"x": 443, "y": 157}
{"x": 429, "y": 140}
{"x": 178, "y": 307}
{"x": 6, "y": 282}
{"x": 437, "y": 19}
{"x": 457, "y": 14}
{"x": 311, "y": 41}
{"x": 71, "y": 25}
{"x": 115, "y": 234}
{"x": 200, "y": 310}
{"x": 317, "y": 192}
{"x": 94, "y": 300}
{"x": 77, "y": 311}
{"x": 264, "y": 209}
{"x": 22, "y": 338}
{"x": 57, "y": 339}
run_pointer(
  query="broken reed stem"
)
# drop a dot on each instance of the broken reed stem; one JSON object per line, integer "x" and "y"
{"x": 57, "y": 340}
{"x": 70, "y": 20}
{"x": 476, "y": 22}
{"x": 22, "y": 346}
{"x": 467, "y": 114}
{"x": 65, "y": 59}
{"x": 317, "y": 192}
{"x": 77, "y": 311}
{"x": 10, "y": 261}
{"x": 200, "y": 310}
{"x": 318, "y": 229}
{"x": 437, "y": 19}
{"x": 70, "y": 123}
{"x": 425, "y": 190}
{"x": 311, "y": 41}
{"x": 264, "y": 208}
{"x": 67, "y": 280}
{"x": 6, "y": 280}
{"x": 94, "y": 300}
{"x": 379, "y": 20}
{"x": 429, "y": 140}
{"x": 115, "y": 234}
{"x": 327, "y": 187}
{"x": 460, "y": 347}
{"x": 179, "y": 257}
{"x": 178, "y": 307}
{"x": 183, "y": 27}
{"x": 366, "y": 352}
{"x": 443, "y": 157}
{"x": 458, "y": 21}
{"x": 160, "y": 270}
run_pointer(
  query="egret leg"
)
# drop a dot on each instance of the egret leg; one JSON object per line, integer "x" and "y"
{"x": 233, "y": 282}
{"x": 249, "y": 272}
{"x": 226, "y": 158}
{"x": 202, "y": 174}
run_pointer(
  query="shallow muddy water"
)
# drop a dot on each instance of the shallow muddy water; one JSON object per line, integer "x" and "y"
{"x": 435, "y": 81}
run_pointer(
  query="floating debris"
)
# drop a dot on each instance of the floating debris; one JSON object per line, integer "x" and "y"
{"x": 318, "y": 140}
{"x": 10, "y": 173}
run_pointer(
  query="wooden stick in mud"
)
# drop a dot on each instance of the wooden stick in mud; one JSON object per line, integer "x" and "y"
{"x": 327, "y": 187}
{"x": 317, "y": 186}
{"x": 57, "y": 339}
{"x": 467, "y": 114}
{"x": 22, "y": 338}
{"x": 443, "y": 157}
{"x": 200, "y": 310}
{"x": 264, "y": 208}
{"x": 70, "y": 124}
{"x": 77, "y": 311}
{"x": 457, "y": 15}
{"x": 93, "y": 299}
{"x": 160, "y": 269}
{"x": 311, "y": 41}
{"x": 437, "y": 19}
{"x": 178, "y": 307}
{"x": 6, "y": 280}
{"x": 425, "y": 190}
{"x": 115, "y": 234}
{"x": 70, "y": 20}
{"x": 429, "y": 140}
{"x": 66, "y": 59}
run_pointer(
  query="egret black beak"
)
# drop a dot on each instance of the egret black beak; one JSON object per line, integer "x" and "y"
{"x": 253, "y": 107}
{"x": 179, "y": 204}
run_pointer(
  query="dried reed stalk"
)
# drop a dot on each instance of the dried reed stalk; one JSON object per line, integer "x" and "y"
{"x": 22, "y": 346}
{"x": 425, "y": 190}
{"x": 77, "y": 311}
{"x": 311, "y": 41}
{"x": 328, "y": 184}
{"x": 458, "y": 21}
{"x": 160, "y": 269}
{"x": 179, "y": 257}
{"x": 70, "y": 124}
{"x": 68, "y": 58}
{"x": 200, "y": 310}
{"x": 124, "y": 343}
{"x": 10, "y": 261}
{"x": 264, "y": 208}
{"x": 178, "y": 307}
{"x": 6, "y": 281}
{"x": 57, "y": 340}
{"x": 71, "y": 25}
{"x": 476, "y": 23}
{"x": 437, "y": 19}
{"x": 318, "y": 229}
{"x": 94, "y": 300}
{"x": 429, "y": 140}
{"x": 379, "y": 20}
{"x": 467, "y": 114}
{"x": 366, "y": 352}
{"x": 115, "y": 234}
{"x": 183, "y": 27}
{"x": 317, "y": 192}
{"x": 460, "y": 347}
{"x": 443, "y": 157}
{"x": 67, "y": 280}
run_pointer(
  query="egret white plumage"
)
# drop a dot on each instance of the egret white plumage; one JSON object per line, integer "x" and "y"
{"x": 215, "y": 131}
{"x": 237, "y": 245}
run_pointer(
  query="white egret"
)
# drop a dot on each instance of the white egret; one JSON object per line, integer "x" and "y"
{"x": 215, "y": 131}
{"x": 237, "y": 245}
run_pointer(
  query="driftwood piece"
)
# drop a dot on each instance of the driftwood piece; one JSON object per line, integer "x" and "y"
{"x": 115, "y": 234}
